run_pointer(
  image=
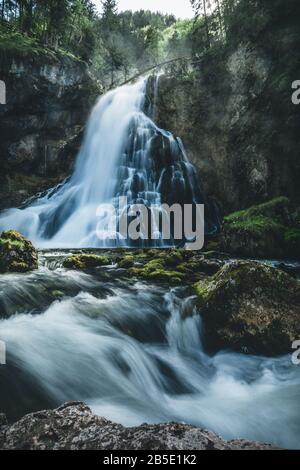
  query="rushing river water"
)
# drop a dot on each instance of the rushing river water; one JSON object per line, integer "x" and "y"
{"x": 134, "y": 353}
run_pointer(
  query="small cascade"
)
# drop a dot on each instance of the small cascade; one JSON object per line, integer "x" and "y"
{"x": 124, "y": 154}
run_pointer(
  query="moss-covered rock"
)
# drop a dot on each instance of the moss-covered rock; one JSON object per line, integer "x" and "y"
{"x": 172, "y": 266}
{"x": 268, "y": 230}
{"x": 126, "y": 261}
{"x": 248, "y": 306}
{"x": 159, "y": 269}
{"x": 17, "y": 254}
{"x": 86, "y": 261}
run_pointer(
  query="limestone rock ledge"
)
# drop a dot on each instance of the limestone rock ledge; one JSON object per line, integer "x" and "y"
{"x": 74, "y": 427}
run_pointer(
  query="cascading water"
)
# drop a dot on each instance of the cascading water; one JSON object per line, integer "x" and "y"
{"x": 134, "y": 353}
{"x": 124, "y": 154}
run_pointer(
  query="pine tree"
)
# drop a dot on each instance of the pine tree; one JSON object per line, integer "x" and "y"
{"x": 110, "y": 10}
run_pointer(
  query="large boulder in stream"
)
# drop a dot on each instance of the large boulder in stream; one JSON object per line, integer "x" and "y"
{"x": 17, "y": 254}
{"x": 74, "y": 427}
{"x": 83, "y": 262}
{"x": 250, "y": 307}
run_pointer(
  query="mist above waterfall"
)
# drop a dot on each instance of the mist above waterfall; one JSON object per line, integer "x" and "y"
{"x": 123, "y": 154}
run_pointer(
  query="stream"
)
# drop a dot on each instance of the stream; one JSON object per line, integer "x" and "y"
{"x": 133, "y": 352}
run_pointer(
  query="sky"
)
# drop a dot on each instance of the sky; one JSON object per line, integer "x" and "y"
{"x": 179, "y": 8}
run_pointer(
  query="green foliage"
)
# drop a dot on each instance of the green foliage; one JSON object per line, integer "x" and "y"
{"x": 48, "y": 25}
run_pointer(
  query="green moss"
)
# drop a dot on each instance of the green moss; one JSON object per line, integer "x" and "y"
{"x": 9, "y": 244}
{"x": 57, "y": 294}
{"x": 126, "y": 262}
{"x": 156, "y": 273}
{"x": 202, "y": 291}
{"x": 16, "y": 253}
{"x": 162, "y": 268}
{"x": 18, "y": 267}
{"x": 172, "y": 258}
{"x": 292, "y": 235}
{"x": 277, "y": 210}
{"x": 248, "y": 304}
{"x": 83, "y": 261}
{"x": 258, "y": 225}
{"x": 265, "y": 231}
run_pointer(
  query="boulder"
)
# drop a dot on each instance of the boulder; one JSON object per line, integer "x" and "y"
{"x": 17, "y": 254}
{"x": 86, "y": 261}
{"x": 250, "y": 307}
{"x": 74, "y": 427}
{"x": 269, "y": 230}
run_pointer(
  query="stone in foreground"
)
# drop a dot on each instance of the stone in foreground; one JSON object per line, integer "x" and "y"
{"x": 74, "y": 427}
{"x": 17, "y": 254}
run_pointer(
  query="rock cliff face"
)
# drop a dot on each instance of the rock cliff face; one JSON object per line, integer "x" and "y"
{"x": 238, "y": 124}
{"x": 47, "y": 104}
{"x": 74, "y": 427}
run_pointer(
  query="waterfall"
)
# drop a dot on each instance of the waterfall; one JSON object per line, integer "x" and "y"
{"x": 124, "y": 153}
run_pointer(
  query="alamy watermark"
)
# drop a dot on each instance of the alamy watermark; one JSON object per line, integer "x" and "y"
{"x": 296, "y": 94}
{"x": 139, "y": 222}
{"x": 2, "y": 353}
{"x": 296, "y": 354}
{"x": 2, "y": 92}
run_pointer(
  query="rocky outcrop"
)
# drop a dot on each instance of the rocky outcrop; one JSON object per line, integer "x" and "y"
{"x": 269, "y": 230}
{"x": 74, "y": 427}
{"x": 250, "y": 307}
{"x": 17, "y": 254}
{"x": 48, "y": 101}
{"x": 234, "y": 113}
{"x": 169, "y": 266}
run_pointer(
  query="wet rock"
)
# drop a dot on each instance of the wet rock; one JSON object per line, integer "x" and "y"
{"x": 269, "y": 230}
{"x": 41, "y": 124}
{"x": 172, "y": 266}
{"x": 85, "y": 261}
{"x": 159, "y": 265}
{"x": 74, "y": 427}
{"x": 3, "y": 420}
{"x": 126, "y": 262}
{"x": 17, "y": 254}
{"x": 250, "y": 307}
{"x": 233, "y": 145}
